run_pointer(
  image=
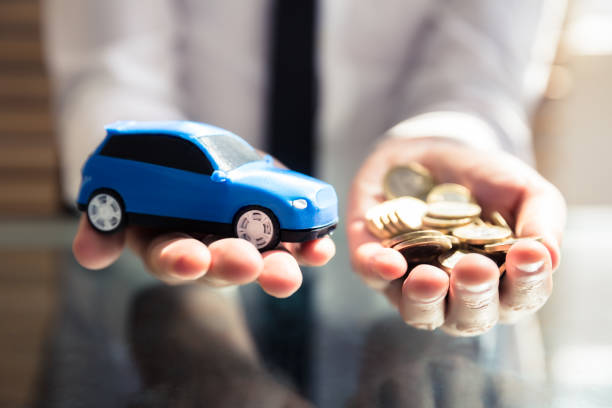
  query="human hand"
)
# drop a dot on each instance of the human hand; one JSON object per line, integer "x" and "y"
{"x": 473, "y": 299}
{"x": 177, "y": 258}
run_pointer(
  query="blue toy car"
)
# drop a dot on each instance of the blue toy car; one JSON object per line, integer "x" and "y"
{"x": 192, "y": 176}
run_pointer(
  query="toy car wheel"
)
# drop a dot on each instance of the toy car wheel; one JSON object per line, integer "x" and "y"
{"x": 258, "y": 226}
{"x": 105, "y": 211}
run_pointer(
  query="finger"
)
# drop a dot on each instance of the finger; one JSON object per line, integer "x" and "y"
{"x": 375, "y": 264}
{"x": 233, "y": 262}
{"x": 281, "y": 275}
{"x": 527, "y": 284}
{"x": 542, "y": 213}
{"x": 94, "y": 250}
{"x": 423, "y": 297}
{"x": 473, "y": 305}
{"x": 313, "y": 253}
{"x": 176, "y": 258}
{"x": 378, "y": 265}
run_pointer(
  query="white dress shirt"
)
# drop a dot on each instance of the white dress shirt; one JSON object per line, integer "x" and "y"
{"x": 453, "y": 68}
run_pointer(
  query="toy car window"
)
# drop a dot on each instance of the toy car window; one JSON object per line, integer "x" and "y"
{"x": 163, "y": 150}
{"x": 228, "y": 151}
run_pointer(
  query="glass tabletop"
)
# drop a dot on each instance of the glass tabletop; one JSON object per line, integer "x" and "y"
{"x": 117, "y": 337}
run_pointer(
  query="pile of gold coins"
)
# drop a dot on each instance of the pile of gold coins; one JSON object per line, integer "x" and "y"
{"x": 436, "y": 224}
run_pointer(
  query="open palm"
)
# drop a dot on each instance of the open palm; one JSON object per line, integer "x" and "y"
{"x": 472, "y": 299}
{"x": 177, "y": 258}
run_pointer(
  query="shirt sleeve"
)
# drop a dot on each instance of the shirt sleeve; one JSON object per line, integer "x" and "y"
{"x": 109, "y": 60}
{"x": 480, "y": 71}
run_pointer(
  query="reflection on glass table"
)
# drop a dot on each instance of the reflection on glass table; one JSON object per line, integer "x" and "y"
{"x": 119, "y": 338}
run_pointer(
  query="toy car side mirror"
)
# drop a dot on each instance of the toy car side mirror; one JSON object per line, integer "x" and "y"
{"x": 218, "y": 176}
{"x": 269, "y": 159}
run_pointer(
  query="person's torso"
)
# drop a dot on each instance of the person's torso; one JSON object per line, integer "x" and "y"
{"x": 365, "y": 50}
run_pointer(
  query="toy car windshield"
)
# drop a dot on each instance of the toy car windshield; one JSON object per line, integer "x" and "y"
{"x": 228, "y": 152}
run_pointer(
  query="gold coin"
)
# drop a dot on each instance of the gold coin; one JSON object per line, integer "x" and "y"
{"x": 374, "y": 222}
{"x": 397, "y": 223}
{"x": 454, "y": 240}
{"x": 504, "y": 246}
{"x": 409, "y": 211}
{"x": 435, "y": 240}
{"x": 450, "y": 192}
{"x": 394, "y": 220}
{"x": 481, "y": 234}
{"x": 423, "y": 249}
{"x": 407, "y": 236}
{"x": 401, "y": 225}
{"x": 377, "y": 210}
{"x": 376, "y": 227}
{"x": 479, "y": 221}
{"x": 381, "y": 219}
{"x": 411, "y": 179}
{"x": 389, "y": 225}
{"x": 449, "y": 209}
{"x": 449, "y": 259}
{"x": 445, "y": 223}
{"x": 499, "y": 220}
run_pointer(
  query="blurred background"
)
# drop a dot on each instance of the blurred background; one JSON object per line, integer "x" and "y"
{"x": 28, "y": 191}
{"x": 573, "y": 149}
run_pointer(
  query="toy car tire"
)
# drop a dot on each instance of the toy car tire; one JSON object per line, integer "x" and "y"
{"x": 258, "y": 225}
{"x": 105, "y": 211}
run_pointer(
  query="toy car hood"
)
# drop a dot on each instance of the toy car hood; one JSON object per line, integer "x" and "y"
{"x": 282, "y": 182}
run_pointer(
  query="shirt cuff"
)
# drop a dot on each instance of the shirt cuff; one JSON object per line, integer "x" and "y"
{"x": 462, "y": 127}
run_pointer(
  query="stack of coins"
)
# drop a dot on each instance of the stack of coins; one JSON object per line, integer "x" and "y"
{"x": 436, "y": 224}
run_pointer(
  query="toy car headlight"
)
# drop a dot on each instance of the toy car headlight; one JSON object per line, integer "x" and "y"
{"x": 300, "y": 203}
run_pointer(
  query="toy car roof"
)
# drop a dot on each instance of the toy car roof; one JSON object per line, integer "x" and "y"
{"x": 181, "y": 128}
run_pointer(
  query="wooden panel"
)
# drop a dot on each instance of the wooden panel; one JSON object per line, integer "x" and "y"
{"x": 24, "y": 268}
{"x": 27, "y": 157}
{"x": 21, "y": 50}
{"x": 25, "y": 121}
{"x": 24, "y": 305}
{"x": 23, "y": 85}
{"x": 28, "y": 160}
{"x": 12, "y": 139}
{"x": 19, "y": 12}
{"x": 29, "y": 193}
{"x": 28, "y": 186}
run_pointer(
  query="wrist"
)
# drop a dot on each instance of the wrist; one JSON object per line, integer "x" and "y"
{"x": 463, "y": 128}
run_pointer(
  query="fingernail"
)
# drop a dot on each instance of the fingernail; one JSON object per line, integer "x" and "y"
{"x": 474, "y": 288}
{"x": 530, "y": 267}
{"x": 185, "y": 275}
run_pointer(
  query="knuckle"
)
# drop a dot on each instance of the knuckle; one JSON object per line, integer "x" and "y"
{"x": 529, "y": 306}
{"x": 479, "y": 303}
{"x": 529, "y": 287}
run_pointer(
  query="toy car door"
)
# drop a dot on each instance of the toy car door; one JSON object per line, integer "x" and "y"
{"x": 169, "y": 176}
